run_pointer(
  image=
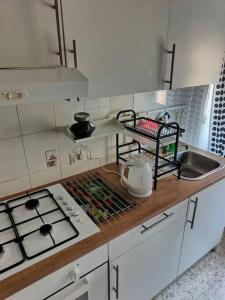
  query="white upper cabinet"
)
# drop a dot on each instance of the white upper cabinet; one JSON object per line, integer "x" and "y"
{"x": 28, "y": 33}
{"x": 120, "y": 43}
{"x": 197, "y": 29}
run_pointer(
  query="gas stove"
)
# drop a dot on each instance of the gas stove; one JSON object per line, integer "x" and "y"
{"x": 39, "y": 224}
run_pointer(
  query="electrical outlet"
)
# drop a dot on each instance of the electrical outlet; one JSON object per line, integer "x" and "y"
{"x": 51, "y": 158}
{"x": 81, "y": 155}
{"x": 72, "y": 158}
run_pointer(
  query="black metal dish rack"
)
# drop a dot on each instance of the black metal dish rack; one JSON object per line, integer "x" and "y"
{"x": 160, "y": 133}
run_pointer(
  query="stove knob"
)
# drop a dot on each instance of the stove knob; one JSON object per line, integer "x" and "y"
{"x": 69, "y": 207}
{"x": 80, "y": 220}
{"x": 75, "y": 274}
{"x": 86, "y": 279}
{"x": 60, "y": 197}
{"x": 65, "y": 201}
{"x": 75, "y": 212}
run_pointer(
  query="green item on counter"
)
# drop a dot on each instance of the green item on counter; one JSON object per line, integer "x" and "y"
{"x": 171, "y": 148}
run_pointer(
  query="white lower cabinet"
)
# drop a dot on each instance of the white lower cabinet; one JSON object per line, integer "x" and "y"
{"x": 146, "y": 259}
{"x": 205, "y": 224}
{"x": 146, "y": 269}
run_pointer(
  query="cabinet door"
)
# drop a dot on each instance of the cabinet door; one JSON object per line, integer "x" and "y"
{"x": 120, "y": 43}
{"x": 28, "y": 33}
{"x": 205, "y": 224}
{"x": 197, "y": 29}
{"x": 145, "y": 270}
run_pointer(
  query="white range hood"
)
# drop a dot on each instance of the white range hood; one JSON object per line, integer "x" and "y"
{"x": 20, "y": 85}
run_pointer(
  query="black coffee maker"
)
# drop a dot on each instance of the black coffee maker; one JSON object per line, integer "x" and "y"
{"x": 84, "y": 126}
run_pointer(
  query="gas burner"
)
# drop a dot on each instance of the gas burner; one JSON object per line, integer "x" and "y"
{"x": 37, "y": 223}
{"x": 32, "y": 203}
{"x": 45, "y": 229}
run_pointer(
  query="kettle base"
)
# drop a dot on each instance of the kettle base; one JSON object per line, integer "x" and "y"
{"x": 140, "y": 196}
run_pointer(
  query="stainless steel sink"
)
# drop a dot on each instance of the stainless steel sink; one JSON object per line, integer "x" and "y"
{"x": 196, "y": 166}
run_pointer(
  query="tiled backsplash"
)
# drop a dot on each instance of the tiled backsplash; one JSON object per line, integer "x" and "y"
{"x": 27, "y": 131}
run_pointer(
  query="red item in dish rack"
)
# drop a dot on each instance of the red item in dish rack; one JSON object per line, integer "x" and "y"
{"x": 148, "y": 124}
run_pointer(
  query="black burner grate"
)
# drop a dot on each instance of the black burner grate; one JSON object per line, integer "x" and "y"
{"x": 36, "y": 203}
{"x": 12, "y": 239}
{"x": 28, "y": 218}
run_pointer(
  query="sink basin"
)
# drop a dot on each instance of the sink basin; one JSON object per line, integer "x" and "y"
{"x": 196, "y": 166}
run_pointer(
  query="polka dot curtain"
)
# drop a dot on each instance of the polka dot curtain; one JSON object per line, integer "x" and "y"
{"x": 217, "y": 139}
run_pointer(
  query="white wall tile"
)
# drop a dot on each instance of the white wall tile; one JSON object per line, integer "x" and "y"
{"x": 98, "y": 108}
{"x": 77, "y": 168}
{"x": 9, "y": 123}
{"x": 66, "y": 147}
{"x": 12, "y": 159}
{"x": 14, "y": 186}
{"x": 36, "y": 117}
{"x": 97, "y": 147}
{"x": 64, "y": 111}
{"x": 144, "y": 101}
{"x": 47, "y": 176}
{"x": 35, "y": 147}
{"x": 122, "y": 102}
{"x": 92, "y": 164}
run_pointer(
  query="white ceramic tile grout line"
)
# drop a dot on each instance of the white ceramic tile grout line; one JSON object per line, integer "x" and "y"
{"x": 57, "y": 138}
{"x": 23, "y": 145}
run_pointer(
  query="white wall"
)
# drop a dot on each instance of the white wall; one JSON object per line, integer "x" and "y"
{"x": 27, "y": 131}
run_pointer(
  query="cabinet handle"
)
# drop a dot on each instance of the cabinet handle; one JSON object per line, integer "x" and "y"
{"x": 60, "y": 53}
{"x": 74, "y": 51}
{"x": 116, "y": 289}
{"x": 172, "y": 52}
{"x": 192, "y": 221}
{"x": 145, "y": 228}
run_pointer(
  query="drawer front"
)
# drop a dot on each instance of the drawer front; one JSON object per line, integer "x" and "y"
{"x": 137, "y": 235}
{"x": 59, "y": 279}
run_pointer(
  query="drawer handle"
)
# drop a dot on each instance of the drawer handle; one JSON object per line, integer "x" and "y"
{"x": 194, "y": 212}
{"x": 145, "y": 228}
{"x": 116, "y": 289}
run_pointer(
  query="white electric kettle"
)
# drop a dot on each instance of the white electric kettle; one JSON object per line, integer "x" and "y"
{"x": 139, "y": 181}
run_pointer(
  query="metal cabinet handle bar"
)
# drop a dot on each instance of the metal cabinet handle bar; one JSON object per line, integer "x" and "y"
{"x": 145, "y": 228}
{"x": 194, "y": 212}
{"x": 74, "y": 51}
{"x": 116, "y": 289}
{"x": 56, "y": 7}
{"x": 170, "y": 81}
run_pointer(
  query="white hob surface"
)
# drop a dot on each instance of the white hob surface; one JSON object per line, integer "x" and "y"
{"x": 37, "y": 225}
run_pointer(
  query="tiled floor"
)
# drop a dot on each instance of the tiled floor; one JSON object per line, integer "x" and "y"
{"x": 204, "y": 281}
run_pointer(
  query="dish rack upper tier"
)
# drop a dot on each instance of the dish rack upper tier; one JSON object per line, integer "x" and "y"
{"x": 149, "y": 128}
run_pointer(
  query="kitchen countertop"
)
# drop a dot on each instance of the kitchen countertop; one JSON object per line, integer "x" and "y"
{"x": 170, "y": 191}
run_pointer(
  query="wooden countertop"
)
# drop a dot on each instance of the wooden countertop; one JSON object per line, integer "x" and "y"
{"x": 170, "y": 191}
